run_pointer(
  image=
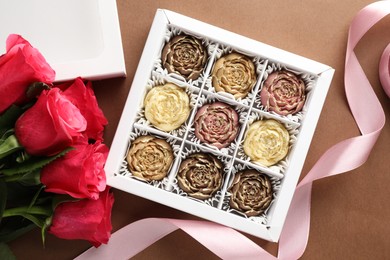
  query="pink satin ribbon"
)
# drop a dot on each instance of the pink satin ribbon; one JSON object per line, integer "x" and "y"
{"x": 344, "y": 156}
{"x": 384, "y": 70}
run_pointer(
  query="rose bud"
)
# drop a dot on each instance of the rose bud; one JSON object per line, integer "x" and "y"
{"x": 200, "y": 175}
{"x": 216, "y": 124}
{"x": 266, "y": 142}
{"x": 251, "y": 192}
{"x": 184, "y": 55}
{"x": 283, "y": 93}
{"x": 149, "y": 158}
{"x": 20, "y": 66}
{"x": 234, "y": 74}
{"x": 84, "y": 219}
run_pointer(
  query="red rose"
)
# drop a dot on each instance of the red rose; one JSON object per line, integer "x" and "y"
{"x": 85, "y": 219}
{"x": 50, "y": 125}
{"x": 83, "y": 98}
{"x": 80, "y": 173}
{"x": 19, "y": 67}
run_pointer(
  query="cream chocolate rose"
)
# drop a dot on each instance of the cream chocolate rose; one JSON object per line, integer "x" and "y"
{"x": 167, "y": 107}
{"x": 266, "y": 142}
{"x": 283, "y": 92}
{"x": 184, "y": 55}
{"x": 234, "y": 74}
{"x": 251, "y": 192}
{"x": 149, "y": 158}
{"x": 200, "y": 175}
{"x": 216, "y": 124}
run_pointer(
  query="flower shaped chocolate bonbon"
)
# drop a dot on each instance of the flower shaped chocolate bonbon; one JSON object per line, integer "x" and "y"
{"x": 200, "y": 175}
{"x": 283, "y": 92}
{"x": 149, "y": 158}
{"x": 266, "y": 142}
{"x": 184, "y": 55}
{"x": 251, "y": 192}
{"x": 216, "y": 124}
{"x": 235, "y": 74}
{"x": 167, "y": 107}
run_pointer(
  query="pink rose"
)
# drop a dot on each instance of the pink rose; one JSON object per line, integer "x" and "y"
{"x": 85, "y": 219}
{"x": 283, "y": 92}
{"x": 83, "y": 98}
{"x": 80, "y": 173}
{"x": 19, "y": 67}
{"x": 50, "y": 125}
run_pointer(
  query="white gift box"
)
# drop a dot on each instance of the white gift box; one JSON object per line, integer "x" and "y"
{"x": 284, "y": 175}
{"x": 77, "y": 38}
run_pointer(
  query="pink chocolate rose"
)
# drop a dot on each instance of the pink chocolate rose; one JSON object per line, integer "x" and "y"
{"x": 283, "y": 92}
{"x": 216, "y": 124}
{"x": 20, "y": 66}
{"x": 50, "y": 125}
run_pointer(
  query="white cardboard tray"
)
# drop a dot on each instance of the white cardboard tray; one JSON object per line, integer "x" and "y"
{"x": 271, "y": 231}
{"x": 77, "y": 38}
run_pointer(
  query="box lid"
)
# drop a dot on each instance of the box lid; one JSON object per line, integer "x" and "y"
{"x": 77, "y": 38}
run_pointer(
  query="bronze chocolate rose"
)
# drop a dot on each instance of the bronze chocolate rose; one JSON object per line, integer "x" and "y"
{"x": 234, "y": 74}
{"x": 184, "y": 55}
{"x": 216, "y": 124}
{"x": 283, "y": 92}
{"x": 149, "y": 158}
{"x": 200, "y": 175}
{"x": 251, "y": 192}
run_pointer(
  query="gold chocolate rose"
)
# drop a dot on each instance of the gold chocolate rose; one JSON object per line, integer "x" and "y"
{"x": 149, "y": 158}
{"x": 266, "y": 142}
{"x": 234, "y": 74}
{"x": 184, "y": 55}
{"x": 167, "y": 107}
{"x": 216, "y": 124}
{"x": 200, "y": 175}
{"x": 283, "y": 92}
{"x": 251, "y": 192}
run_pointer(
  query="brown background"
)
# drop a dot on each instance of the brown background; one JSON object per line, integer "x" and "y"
{"x": 350, "y": 212}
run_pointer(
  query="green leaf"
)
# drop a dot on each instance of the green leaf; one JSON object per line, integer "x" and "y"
{"x": 33, "y": 163}
{"x": 35, "y": 89}
{"x": 36, "y": 196}
{"x": 34, "y": 219}
{"x": 6, "y": 134}
{"x": 6, "y": 253}
{"x": 3, "y": 198}
{"x": 9, "y": 146}
{"x": 9, "y": 117}
{"x": 27, "y": 179}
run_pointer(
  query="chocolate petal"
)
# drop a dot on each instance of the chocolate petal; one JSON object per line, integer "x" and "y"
{"x": 200, "y": 175}
{"x": 184, "y": 55}
{"x": 149, "y": 158}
